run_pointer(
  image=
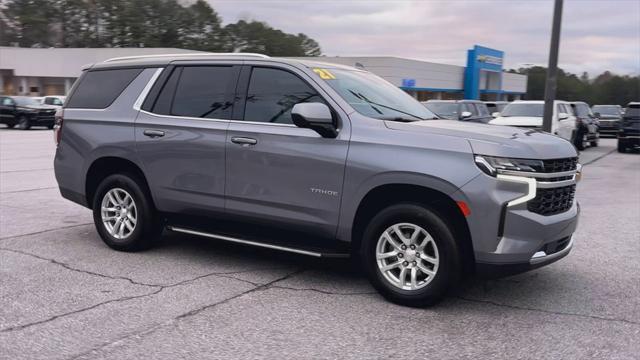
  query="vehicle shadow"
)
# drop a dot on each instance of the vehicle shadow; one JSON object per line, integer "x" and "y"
{"x": 344, "y": 276}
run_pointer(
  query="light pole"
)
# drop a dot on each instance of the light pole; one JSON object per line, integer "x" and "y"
{"x": 552, "y": 71}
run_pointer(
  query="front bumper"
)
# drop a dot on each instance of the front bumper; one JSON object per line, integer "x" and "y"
{"x": 540, "y": 259}
{"x": 508, "y": 239}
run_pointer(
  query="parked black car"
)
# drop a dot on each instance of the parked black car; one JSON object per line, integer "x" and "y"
{"x": 609, "y": 117}
{"x": 587, "y": 125}
{"x": 629, "y": 132}
{"x": 25, "y": 112}
{"x": 463, "y": 110}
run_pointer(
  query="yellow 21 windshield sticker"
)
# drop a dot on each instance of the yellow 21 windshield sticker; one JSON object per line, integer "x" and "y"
{"x": 324, "y": 74}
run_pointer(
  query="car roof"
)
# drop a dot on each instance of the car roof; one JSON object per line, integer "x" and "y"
{"x": 166, "y": 59}
{"x": 536, "y": 102}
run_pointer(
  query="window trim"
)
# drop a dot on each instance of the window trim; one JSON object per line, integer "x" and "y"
{"x": 241, "y": 84}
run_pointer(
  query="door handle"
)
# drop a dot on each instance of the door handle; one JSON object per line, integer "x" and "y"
{"x": 244, "y": 141}
{"x": 153, "y": 133}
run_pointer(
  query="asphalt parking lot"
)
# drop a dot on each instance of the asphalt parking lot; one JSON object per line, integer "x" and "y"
{"x": 65, "y": 295}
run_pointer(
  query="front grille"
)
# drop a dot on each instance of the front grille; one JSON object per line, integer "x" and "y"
{"x": 553, "y": 200}
{"x": 46, "y": 114}
{"x": 560, "y": 165}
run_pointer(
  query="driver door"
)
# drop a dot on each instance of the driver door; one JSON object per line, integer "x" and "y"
{"x": 276, "y": 172}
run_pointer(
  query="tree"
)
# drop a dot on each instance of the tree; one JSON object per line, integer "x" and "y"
{"x": 259, "y": 37}
{"x": 148, "y": 23}
{"x": 606, "y": 88}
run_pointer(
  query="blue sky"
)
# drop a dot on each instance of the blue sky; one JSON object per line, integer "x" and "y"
{"x": 597, "y": 35}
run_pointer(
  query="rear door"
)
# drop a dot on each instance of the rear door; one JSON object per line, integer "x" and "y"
{"x": 276, "y": 172}
{"x": 181, "y": 134}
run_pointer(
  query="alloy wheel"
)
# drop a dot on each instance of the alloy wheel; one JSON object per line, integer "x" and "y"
{"x": 119, "y": 213}
{"x": 407, "y": 256}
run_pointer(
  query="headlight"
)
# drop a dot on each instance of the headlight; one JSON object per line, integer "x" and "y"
{"x": 492, "y": 165}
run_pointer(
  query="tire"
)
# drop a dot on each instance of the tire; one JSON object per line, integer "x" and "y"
{"x": 427, "y": 289}
{"x": 139, "y": 226}
{"x": 579, "y": 140}
{"x": 11, "y": 125}
{"x": 622, "y": 148}
{"x": 24, "y": 123}
{"x": 50, "y": 127}
{"x": 594, "y": 143}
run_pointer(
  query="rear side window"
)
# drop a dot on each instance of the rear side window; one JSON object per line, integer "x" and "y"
{"x": 98, "y": 89}
{"x": 203, "y": 92}
{"x": 272, "y": 93}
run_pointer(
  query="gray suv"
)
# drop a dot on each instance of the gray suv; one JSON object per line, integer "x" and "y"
{"x": 311, "y": 158}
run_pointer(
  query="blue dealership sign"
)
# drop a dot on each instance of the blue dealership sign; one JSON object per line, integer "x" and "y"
{"x": 408, "y": 82}
{"x": 479, "y": 59}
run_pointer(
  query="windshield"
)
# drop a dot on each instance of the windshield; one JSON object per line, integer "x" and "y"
{"x": 444, "y": 110}
{"x": 25, "y": 101}
{"x": 521, "y": 109}
{"x": 373, "y": 96}
{"x": 633, "y": 111}
{"x": 607, "y": 110}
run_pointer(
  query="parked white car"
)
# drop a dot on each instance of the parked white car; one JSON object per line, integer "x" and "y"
{"x": 54, "y": 100}
{"x": 528, "y": 114}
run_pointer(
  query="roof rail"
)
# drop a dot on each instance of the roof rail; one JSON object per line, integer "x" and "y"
{"x": 185, "y": 54}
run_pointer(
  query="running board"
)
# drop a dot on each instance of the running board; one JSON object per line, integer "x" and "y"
{"x": 259, "y": 244}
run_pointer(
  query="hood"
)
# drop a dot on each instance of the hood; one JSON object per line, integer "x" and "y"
{"x": 38, "y": 107}
{"x": 528, "y": 121}
{"x": 491, "y": 140}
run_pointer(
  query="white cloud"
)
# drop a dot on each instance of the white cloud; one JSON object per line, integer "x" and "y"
{"x": 597, "y": 35}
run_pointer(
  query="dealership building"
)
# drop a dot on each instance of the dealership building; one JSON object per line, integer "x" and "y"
{"x": 37, "y": 72}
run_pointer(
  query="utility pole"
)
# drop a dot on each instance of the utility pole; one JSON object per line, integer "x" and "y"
{"x": 552, "y": 70}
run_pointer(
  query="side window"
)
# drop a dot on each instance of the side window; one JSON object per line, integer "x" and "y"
{"x": 470, "y": 108}
{"x": 568, "y": 109}
{"x": 204, "y": 92}
{"x": 165, "y": 98}
{"x": 272, "y": 93}
{"x": 482, "y": 110}
{"x": 98, "y": 89}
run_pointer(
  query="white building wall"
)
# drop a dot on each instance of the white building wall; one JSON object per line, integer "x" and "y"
{"x": 514, "y": 83}
{"x": 393, "y": 69}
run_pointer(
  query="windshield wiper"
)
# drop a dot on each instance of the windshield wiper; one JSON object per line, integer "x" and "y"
{"x": 386, "y": 106}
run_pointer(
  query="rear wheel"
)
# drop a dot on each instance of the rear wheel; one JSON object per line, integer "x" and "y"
{"x": 24, "y": 123}
{"x": 124, "y": 215}
{"x": 622, "y": 147}
{"x": 410, "y": 255}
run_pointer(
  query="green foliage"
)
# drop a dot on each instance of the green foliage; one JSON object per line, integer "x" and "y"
{"x": 606, "y": 88}
{"x": 142, "y": 23}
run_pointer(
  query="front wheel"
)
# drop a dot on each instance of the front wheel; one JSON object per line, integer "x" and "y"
{"x": 24, "y": 123}
{"x": 410, "y": 255}
{"x": 124, "y": 215}
{"x": 622, "y": 148}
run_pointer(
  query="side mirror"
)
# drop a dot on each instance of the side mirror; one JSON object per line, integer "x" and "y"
{"x": 465, "y": 115}
{"x": 495, "y": 114}
{"x": 596, "y": 115}
{"x": 314, "y": 116}
{"x": 563, "y": 116}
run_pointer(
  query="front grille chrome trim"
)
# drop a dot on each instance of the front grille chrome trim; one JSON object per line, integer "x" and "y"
{"x": 538, "y": 175}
